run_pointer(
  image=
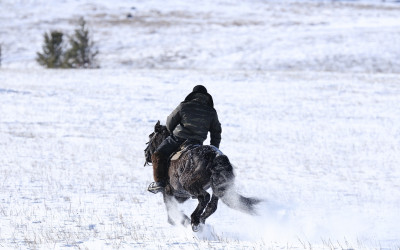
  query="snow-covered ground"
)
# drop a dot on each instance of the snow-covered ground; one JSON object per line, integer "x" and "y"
{"x": 321, "y": 148}
{"x": 307, "y": 93}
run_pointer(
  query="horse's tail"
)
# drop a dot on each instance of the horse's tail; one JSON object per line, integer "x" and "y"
{"x": 222, "y": 184}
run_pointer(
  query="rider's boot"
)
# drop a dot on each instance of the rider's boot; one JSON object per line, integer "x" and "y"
{"x": 160, "y": 172}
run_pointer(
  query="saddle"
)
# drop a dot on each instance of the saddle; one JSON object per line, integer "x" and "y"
{"x": 186, "y": 146}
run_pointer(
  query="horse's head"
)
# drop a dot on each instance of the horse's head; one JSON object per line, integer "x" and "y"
{"x": 156, "y": 138}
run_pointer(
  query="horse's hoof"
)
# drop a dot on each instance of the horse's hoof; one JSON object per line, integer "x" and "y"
{"x": 196, "y": 228}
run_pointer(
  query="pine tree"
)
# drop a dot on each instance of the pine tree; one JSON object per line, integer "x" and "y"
{"x": 52, "y": 56}
{"x": 82, "y": 52}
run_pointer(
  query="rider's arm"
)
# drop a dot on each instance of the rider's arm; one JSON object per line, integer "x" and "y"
{"x": 215, "y": 131}
{"x": 174, "y": 119}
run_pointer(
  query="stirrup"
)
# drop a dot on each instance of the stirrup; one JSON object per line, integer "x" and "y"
{"x": 155, "y": 187}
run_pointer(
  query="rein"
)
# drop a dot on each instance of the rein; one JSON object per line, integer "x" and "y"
{"x": 160, "y": 130}
{"x": 147, "y": 148}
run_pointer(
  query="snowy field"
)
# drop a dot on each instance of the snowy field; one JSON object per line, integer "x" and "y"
{"x": 321, "y": 148}
{"x": 308, "y": 94}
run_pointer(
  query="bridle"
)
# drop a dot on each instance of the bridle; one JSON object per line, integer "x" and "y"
{"x": 160, "y": 131}
{"x": 153, "y": 136}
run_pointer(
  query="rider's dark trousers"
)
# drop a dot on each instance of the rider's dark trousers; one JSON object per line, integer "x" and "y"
{"x": 169, "y": 145}
{"x": 160, "y": 157}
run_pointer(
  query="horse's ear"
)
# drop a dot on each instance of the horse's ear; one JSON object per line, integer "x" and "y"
{"x": 157, "y": 127}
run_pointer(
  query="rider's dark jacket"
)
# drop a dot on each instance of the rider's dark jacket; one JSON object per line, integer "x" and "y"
{"x": 194, "y": 118}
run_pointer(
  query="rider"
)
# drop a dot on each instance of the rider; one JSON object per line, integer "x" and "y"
{"x": 190, "y": 121}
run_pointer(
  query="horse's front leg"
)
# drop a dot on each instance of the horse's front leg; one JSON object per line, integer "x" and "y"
{"x": 210, "y": 209}
{"x": 174, "y": 214}
{"x": 184, "y": 220}
{"x": 203, "y": 198}
{"x": 170, "y": 205}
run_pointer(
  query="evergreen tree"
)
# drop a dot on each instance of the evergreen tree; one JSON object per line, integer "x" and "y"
{"x": 52, "y": 56}
{"x": 82, "y": 52}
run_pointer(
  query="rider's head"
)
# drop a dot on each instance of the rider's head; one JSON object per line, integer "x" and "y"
{"x": 199, "y": 89}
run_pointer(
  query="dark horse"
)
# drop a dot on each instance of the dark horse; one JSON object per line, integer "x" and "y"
{"x": 197, "y": 169}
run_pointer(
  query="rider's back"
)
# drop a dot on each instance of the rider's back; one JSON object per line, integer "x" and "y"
{"x": 193, "y": 120}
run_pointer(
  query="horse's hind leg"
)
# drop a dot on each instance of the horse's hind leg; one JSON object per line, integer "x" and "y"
{"x": 203, "y": 198}
{"x": 210, "y": 209}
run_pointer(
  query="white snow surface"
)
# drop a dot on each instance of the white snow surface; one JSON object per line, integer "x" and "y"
{"x": 322, "y": 149}
{"x": 307, "y": 93}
